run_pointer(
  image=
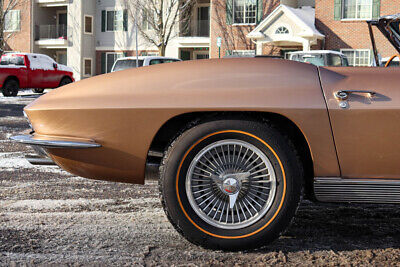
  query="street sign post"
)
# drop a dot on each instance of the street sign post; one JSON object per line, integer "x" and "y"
{"x": 219, "y": 42}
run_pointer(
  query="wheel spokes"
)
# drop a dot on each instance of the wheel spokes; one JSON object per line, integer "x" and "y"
{"x": 230, "y": 184}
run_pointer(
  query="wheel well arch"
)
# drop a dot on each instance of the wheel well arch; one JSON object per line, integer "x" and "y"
{"x": 65, "y": 76}
{"x": 12, "y": 77}
{"x": 176, "y": 125}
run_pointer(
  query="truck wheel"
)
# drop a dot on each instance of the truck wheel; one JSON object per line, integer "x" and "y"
{"x": 231, "y": 184}
{"x": 10, "y": 88}
{"x": 38, "y": 90}
{"x": 65, "y": 81}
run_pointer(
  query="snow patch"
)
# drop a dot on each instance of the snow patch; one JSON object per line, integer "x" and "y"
{"x": 12, "y": 67}
{"x": 64, "y": 68}
{"x": 51, "y": 204}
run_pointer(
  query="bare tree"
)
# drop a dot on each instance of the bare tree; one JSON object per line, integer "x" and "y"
{"x": 234, "y": 38}
{"x": 5, "y": 7}
{"x": 159, "y": 21}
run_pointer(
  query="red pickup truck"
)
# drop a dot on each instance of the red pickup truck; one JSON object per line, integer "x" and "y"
{"x": 23, "y": 70}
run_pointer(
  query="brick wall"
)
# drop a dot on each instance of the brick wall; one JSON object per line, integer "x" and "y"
{"x": 20, "y": 41}
{"x": 233, "y": 36}
{"x": 352, "y": 34}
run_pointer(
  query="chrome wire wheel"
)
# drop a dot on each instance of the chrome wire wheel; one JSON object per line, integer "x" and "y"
{"x": 231, "y": 184}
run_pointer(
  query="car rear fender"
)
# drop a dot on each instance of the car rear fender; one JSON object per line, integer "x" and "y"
{"x": 123, "y": 111}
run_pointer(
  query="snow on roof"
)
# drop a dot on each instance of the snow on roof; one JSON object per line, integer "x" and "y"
{"x": 317, "y": 52}
{"x": 41, "y": 61}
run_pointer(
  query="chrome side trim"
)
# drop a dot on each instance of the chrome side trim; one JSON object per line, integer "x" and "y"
{"x": 54, "y": 142}
{"x": 39, "y": 160}
{"x": 357, "y": 190}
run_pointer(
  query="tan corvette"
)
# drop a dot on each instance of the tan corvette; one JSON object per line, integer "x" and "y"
{"x": 239, "y": 138}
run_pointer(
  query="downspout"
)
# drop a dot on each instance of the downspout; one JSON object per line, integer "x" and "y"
{"x": 32, "y": 20}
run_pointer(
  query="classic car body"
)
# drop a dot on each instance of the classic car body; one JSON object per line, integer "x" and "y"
{"x": 117, "y": 123}
{"x": 338, "y": 123}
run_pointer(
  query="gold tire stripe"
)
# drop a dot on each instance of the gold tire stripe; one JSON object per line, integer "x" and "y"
{"x": 241, "y": 236}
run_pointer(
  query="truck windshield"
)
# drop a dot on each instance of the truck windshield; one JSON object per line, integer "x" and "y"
{"x": 124, "y": 64}
{"x": 12, "y": 60}
{"x": 318, "y": 60}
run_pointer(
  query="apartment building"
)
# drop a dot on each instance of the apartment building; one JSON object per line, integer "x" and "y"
{"x": 90, "y": 35}
{"x": 343, "y": 24}
{"x": 62, "y": 29}
{"x": 18, "y": 30}
{"x": 332, "y": 25}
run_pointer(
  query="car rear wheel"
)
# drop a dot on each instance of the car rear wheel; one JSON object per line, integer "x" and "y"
{"x": 231, "y": 184}
{"x": 65, "y": 81}
{"x": 10, "y": 88}
{"x": 38, "y": 90}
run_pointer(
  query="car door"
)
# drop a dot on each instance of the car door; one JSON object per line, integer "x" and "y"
{"x": 364, "y": 109}
{"x": 35, "y": 75}
{"x": 51, "y": 76}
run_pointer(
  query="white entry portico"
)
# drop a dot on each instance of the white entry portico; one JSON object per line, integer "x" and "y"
{"x": 287, "y": 27}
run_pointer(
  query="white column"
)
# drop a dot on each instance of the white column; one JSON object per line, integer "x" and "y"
{"x": 259, "y": 47}
{"x": 306, "y": 45}
{"x": 75, "y": 32}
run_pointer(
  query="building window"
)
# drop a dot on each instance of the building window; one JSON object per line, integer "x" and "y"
{"x": 244, "y": 11}
{"x": 87, "y": 67}
{"x": 282, "y": 30}
{"x": 110, "y": 60}
{"x": 145, "y": 21}
{"x": 358, "y": 57}
{"x": 12, "y": 21}
{"x": 88, "y": 24}
{"x": 242, "y": 53}
{"x": 357, "y": 9}
{"x": 114, "y": 20}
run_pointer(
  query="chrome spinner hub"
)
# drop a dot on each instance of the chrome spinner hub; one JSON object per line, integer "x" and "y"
{"x": 230, "y": 186}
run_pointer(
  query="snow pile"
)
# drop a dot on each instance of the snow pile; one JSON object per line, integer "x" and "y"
{"x": 53, "y": 204}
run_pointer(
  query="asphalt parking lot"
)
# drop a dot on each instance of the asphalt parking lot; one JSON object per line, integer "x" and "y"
{"x": 48, "y": 216}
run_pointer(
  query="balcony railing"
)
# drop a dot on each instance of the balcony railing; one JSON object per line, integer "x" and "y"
{"x": 199, "y": 28}
{"x": 51, "y": 32}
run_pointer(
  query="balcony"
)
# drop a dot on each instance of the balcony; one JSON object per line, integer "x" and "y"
{"x": 51, "y": 36}
{"x": 52, "y": 3}
{"x": 195, "y": 33}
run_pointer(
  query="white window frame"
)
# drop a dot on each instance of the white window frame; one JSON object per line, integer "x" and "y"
{"x": 150, "y": 54}
{"x": 244, "y": 14}
{"x": 18, "y": 22}
{"x": 114, "y": 53}
{"x": 357, "y": 12}
{"x": 281, "y": 33}
{"x": 243, "y": 52}
{"x": 358, "y": 50}
{"x": 84, "y": 67}
{"x": 145, "y": 23}
{"x": 84, "y": 24}
{"x": 122, "y": 22}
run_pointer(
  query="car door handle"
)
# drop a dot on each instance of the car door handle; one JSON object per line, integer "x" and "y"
{"x": 344, "y": 94}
